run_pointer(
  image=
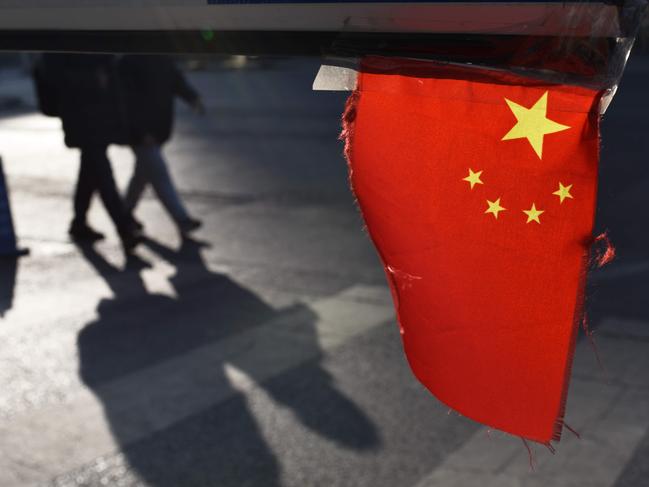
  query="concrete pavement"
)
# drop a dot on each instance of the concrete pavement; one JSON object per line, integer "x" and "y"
{"x": 269, "y": 356}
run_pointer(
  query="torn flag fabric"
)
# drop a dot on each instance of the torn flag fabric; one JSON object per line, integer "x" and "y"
{"x": 478, "y": 190}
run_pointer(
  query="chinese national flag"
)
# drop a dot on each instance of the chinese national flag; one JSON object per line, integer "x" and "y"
{"x": 478, "y": 189}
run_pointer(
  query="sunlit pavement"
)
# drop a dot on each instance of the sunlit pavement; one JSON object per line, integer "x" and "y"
{"x": 265, "y": 353}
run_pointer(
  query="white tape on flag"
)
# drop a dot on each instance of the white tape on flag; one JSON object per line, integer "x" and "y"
{"x": 335, "y": 78}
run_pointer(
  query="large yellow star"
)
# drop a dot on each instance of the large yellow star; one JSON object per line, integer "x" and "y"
{"x": 533, "y": 124}
{"x": 494, "y": 208}
{"x": 533, "y": 214}
{"x": 473, "y": 178}
{"x": 563, "y": 192}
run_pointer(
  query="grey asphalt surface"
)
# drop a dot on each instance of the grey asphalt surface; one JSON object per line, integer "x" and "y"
{"x": 264, "y": 171}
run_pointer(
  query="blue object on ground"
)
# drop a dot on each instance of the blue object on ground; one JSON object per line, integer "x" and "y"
{"x": 8, "y": 246}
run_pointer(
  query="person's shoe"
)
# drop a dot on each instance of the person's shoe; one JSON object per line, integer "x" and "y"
{"x": 82, "y": 232}
{"x": 189, "y": 225}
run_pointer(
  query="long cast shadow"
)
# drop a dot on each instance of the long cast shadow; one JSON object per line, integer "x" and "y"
{"x": 218, "y": 444}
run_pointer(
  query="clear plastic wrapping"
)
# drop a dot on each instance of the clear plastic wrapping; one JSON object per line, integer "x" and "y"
{"x": 583, "y": 43}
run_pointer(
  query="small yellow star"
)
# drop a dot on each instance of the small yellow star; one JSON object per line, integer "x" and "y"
{"x": 533, "y": 214}
{"x": 473, "y": 178}
{"x": 494, "y": 208}
{"x": 533, "y": 123}
{"x": 563, "y": 192}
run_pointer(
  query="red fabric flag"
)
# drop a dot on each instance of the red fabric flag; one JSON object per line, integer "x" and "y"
{"x": 478, "y": 190}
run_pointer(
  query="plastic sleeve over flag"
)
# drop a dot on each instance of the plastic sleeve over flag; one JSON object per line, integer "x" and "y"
{"x": 584, "y": 43}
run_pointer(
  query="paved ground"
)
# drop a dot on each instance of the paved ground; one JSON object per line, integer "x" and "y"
{"x": 268, "y": 354}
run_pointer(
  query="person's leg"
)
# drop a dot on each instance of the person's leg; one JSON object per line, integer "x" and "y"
{"x": 108, "y": 189}
{"x": 151, "y": 160}
{"x": 137, "y": 183}
{"x": 111, "y": 199}
{"x": 86, "y": 185}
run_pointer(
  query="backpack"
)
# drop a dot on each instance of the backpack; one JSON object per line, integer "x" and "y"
{"x": 46, "y": 91}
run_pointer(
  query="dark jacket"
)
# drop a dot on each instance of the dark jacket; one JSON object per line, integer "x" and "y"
{"x": 150, "y": 84}
{"x": 88, "y": 98}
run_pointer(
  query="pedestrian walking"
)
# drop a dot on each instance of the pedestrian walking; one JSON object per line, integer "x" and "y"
{"x": 150, "y": 84}
{"x": 87, "y": 99}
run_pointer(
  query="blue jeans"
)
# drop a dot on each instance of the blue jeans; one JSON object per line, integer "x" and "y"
{"x": 151, "y": 168}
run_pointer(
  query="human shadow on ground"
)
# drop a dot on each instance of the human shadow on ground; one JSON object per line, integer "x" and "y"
{"x": 159, "y": 365}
